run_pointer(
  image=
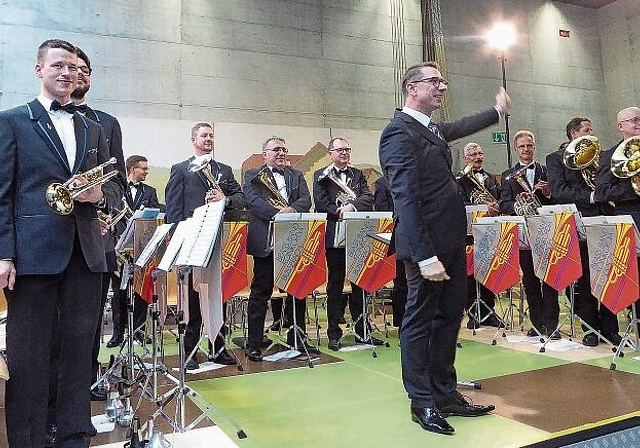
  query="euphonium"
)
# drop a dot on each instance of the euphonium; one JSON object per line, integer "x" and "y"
{"x": 625, "y": 161}
{"x": 276, "y": 199}
{"x": 524, "y": 206}
{"x": 583, "y": 154}
{"x": 202, "y": 163}
{"x": 480, "y": 193}
{"x": 60, "y": 197}
{"x": 346, "y": 194}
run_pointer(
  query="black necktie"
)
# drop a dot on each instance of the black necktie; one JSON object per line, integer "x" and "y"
{"x": 69, "y": 108}
{"x": 433, "y": 128}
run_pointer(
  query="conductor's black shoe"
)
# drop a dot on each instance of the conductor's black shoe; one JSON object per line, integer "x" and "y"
{"x": 192, "y": 364}
{"x": 50, "y": 435}
{"x": 98, "y": 395}
{"x": 462, "y": 407}
{"x": 375, "y": 341}
{"x": 254, "y": 355}
{"x": 334, "y": 344}
{"x": 431, "y": 420}
{"x": 590, "y": 340}
{"x": 615, "y": 338}
{"x": 225, "y": 359}
{"x": 115, "y": 340}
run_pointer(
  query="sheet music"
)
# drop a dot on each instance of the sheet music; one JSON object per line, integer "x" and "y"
{"x": 158, "y": 236}
{"x": 202, "y": 235}
{"x": 173, "y": 248}
{"x": 382, "y": 237}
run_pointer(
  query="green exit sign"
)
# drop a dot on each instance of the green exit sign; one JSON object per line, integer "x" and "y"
{"x": 499, "y": 137}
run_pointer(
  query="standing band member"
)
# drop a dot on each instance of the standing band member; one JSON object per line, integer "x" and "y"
{"x": 51, "y": 265}
{"x": 524, "y": 185}
{"x": 430, "y": 236}
{"x": 271, "y": 189}
{"x": 186, "y": 191}
{"x": 328, "y": 184}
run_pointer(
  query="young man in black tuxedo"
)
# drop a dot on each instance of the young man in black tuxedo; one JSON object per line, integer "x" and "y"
{"x": 186, "y": 191}
{"x": 51, "y": 264}
{"x": 429, "y": 235}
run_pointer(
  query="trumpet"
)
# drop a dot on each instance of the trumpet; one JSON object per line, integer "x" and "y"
{"x": 202, "y": 163}
{"x": 625, "y": 162}
{"x": 60, "y": 197}
{"x": 110, "y": 221}
{"x": 276, "y": 199}
{"x": 583, "y": 154}
{"x": 529, "y": 204}
{"x": 480, "y": 193}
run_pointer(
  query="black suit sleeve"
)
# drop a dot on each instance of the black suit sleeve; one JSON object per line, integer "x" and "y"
{"x": 563, "y": 191}
{"x": 610, "y": 187}
{"x": 174, "y": 195}
{"x": 468, "y": 125}
{"x": 232, "y": 190}
{"x": 382, "y": 196}
{"x": 258, "y": 205}
{"x": 322, "y": 197}
{"x": 364, "y": 198}
{"x": 302, "y": 203}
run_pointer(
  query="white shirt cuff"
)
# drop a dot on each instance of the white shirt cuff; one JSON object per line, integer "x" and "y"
{"x": 427, "y": 262}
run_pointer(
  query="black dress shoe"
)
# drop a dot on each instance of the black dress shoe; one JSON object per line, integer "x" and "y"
{"x": 98, "y": 395}
{"x": 79, "y": 440}
{"x": 192, "y": 364}
{"x": 115, "y": 341}
{"x": 590, "y": 340}
{"x": 462, "y": 407}
{"x": 374, "y": 341}
{"x": 472, "y": 324}
{"x": 225, "y": 359}
{"x": 431, "y": 420}
{"x": 311, "y": 349}
{"x": 254, "y": 355}
{"x": 555, "y": 335}
{"x": 532, "y": 333}
{"x": 334, "y": 344}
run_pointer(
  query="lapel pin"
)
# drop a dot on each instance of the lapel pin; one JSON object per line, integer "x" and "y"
{"x": 49, "y": 126}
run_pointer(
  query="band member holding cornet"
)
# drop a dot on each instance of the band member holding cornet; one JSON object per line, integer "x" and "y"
{"x": 339, "y": 188}
{"x": 187, "y": 190}
{"x": 51, "y": 259}
{"x": 524, "y": 188}
{"x": 479, "y": 187}
{"x": 272, "y": 189}
{"x": 571, "y": 180}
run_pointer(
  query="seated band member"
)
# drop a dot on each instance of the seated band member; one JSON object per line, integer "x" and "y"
{"x": 384, "y": 203}
{"x": 259, "y": 186}
{"x": 325, "y": 192}
{"x": 479, "y": 187}
{"x": 569, "y": 187}
{"x": 523, "y": 187}
{"x": 186, "y": 191}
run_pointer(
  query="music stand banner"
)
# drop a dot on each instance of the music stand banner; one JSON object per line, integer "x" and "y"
{"x": 496, "y": 255}
{"x": 555, "y": 249}
{"x": 234, "y": 258}
{"x": 300, "y": 263}
{"x": 473, "y": 213}
{"x": 367, "y": 263}
{"x": 613, "y": 264}
{"x": 143, "y": 230}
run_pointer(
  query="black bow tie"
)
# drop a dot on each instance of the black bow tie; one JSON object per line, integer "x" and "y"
{"x": 343, "y": 171}
{"x": 136, "y": 186}
{"x": 82, "y": 108}
{"x": 69, "y": 108}
{"x": 278, "y": 170}
{"x": 478, "y": 171}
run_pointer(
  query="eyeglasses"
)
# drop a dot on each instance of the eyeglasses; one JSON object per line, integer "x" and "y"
{"x": 635, "y": 120}
{"x": 342, "y": 150}
{"x": 281, "y": 149}
{"x": 84, "y": 70}
{"x": 477, "y": 154}
{"x": 434, "y": 81}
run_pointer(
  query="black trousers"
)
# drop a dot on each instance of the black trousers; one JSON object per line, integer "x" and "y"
{"x": 399, "y": 294}
{"x": 336, "y": 267}
{"x": 486, "y": 295}
{"x": 542, "y": 298}
{"x": 68, "y": 303}
{"x": 430, "y": 331}
{"x": 261, "y": 290}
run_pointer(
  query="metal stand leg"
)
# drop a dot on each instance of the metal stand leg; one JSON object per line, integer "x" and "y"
{"x": 635, "y": 345}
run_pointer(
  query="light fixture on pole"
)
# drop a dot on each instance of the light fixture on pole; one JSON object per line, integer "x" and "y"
{"x": 500, "y": 37}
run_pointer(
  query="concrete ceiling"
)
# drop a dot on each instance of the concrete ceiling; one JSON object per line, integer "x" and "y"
{"x": 593, "y": 4}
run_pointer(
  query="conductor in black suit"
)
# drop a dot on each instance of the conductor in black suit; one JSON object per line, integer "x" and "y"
{"x": 325, "y": 192}
{"x": 51, "y": 265}
{"x": 569, "y": 187}
{"x": 524, "y": 181}
{"x": 262, "y": 186}
{"x": 187, "y": 191}
{"x": 429, "y": 235}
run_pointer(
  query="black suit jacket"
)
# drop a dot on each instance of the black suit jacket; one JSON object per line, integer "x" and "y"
{"x": 262, "y": 212}
{"x": 147, "y": 197}
{"x": 612, "y": 188}
{"x": 430, "y": 217}
{"x": 325, "y": 192}
{"x": 382, "y": 196}
{"x": 511, "y": 188}
{"x": 568, "y": 187}
{"x": 466, "y": 187}
{"x": 32, "y": 157}
{"x": 185, "y": 191}
{"x": 113, "y": 136}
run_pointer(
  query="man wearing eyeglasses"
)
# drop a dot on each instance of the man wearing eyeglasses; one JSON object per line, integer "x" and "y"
{"x": 326, "y": 190}
{"x": 262, "y": 200}
{"x": 429, "y": 235}
{"x": 471, "y": 184}
{"x": 186, "y": 191}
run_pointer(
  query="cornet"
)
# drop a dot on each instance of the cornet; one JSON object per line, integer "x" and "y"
{"x": 202, "y": 163}
{"x": 60, "y": 197}
{"x": 110, "y": 221}
{"x": 528, "y": 205}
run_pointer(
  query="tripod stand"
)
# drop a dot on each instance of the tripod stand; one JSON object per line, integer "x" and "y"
{"x": 509, "y": 315}
{"x": 475, "y": 310}
{"x": 635, "y": 345}
{"x": 367, "y": 324}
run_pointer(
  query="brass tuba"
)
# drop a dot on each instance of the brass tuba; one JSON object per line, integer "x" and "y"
{"x": 480, "y": 193}
{"x": 202, "y": 163}
{"x": 583, "y": 154}
{"x": 60, "y": 197}
{"x": 346, "y": 194}
{"x": 524, "y": 206}
{"x": 625, "y": 161}
{"x": 276, "y": 199}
